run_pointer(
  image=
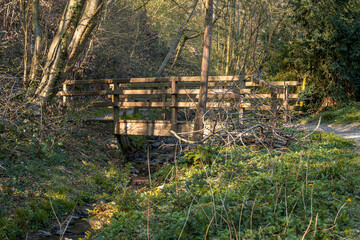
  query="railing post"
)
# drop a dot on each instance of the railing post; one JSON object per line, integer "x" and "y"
{"x": 124, "y": 109}
{"x": 174, "y": 100}
{"x": 65, "y": 98}
{"x": 242, "y": 109}
{"x": 286, "y": 103}
{"x": 163, "y": 99}
{"x": 116, "y": 109}
{"x": 274, "y": 105}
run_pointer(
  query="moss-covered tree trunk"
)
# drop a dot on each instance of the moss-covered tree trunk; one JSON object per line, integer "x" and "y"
{"x": 78, "y": 20}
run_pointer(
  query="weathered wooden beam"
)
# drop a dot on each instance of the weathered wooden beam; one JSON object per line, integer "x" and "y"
{"x": 277, "y": 83}
{"x": 262, "y": 96}
{"x": 152, "y": 80}
{"x": 190, "y": 105}
{"x": 150, "y": 127}
{"x": 146, "y": 93}
{"x": 160, "y": 104}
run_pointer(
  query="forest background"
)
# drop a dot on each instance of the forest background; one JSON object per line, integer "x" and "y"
{"x": 283, "y": 40}
{"x": 50, "y": 164}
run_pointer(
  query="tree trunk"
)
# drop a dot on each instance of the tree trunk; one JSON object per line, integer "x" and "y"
{"x": 170, "y": 53}
{"x": 231, "y": 13}
{"x": 201, "y": 106}
{"x": 175, "y": 42}
{"x": 24, "y": 14}
{"x": 78, "y": 20}
{"x": 182, "y": 45}
{"x": 37, "y": 45}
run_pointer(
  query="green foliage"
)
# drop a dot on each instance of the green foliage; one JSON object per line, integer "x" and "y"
{"x": 42, "y": 159}
{"x": 201, "y": 155}
{"x": 326, "y": 51}
{"x": 254, "y": 195}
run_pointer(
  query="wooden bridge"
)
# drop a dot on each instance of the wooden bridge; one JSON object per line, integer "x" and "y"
{"x": 174, "y": 94}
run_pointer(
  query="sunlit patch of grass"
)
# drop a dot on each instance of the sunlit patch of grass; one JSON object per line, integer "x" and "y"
{"x": 343, "y": 114}
{"x": 220, "y": 193}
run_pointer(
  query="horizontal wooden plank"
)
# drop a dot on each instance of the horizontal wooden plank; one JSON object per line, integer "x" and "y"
{"x": 152, "y": 92}
{"x": 181, "y": 84}
{"x": 153, "y": 80}
{"x": 190, "y": 105}
{"x": 168, "y": 84}
{"x": 150, "y": 127}
{"x": 268, "y": 96}
{"x": 83, "y": 93}
{"x": 162, "y": 104}
{"x": 277, "y": 83}
{"x": 267, "y": 108}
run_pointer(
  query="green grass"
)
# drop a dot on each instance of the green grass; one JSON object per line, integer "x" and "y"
{"x": 222, "y": 193}
{"x": 213, "y": 191}
{"x": 344, "y": 114}
{"x": 44, "y": 162}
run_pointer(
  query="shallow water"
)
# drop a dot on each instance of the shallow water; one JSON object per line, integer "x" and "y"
{"x": 77, "y": 230}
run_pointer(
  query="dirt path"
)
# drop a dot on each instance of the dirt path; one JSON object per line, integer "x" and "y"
{"x": 348, "y": 131}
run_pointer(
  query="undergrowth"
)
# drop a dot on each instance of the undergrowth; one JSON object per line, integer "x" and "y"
{"x": 44, "y": 167}
{"x": 304, "y": 192}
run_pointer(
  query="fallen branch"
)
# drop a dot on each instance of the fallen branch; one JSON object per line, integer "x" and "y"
{"x": 183, "y": 139}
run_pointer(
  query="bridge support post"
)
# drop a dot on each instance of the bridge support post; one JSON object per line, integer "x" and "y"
{"x": 116, "y": 109}
{"x": 174, "y": 100}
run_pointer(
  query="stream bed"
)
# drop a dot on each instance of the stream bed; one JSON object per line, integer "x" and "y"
{"x": 159, "y": 154}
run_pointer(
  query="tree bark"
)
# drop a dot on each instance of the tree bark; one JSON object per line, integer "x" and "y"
{"x": 182, "y": 45}
{"x": 201, "y": 106}
{"x": 24, "y": 13}
{"x": 78, "y": 20}
{"x": 175, "y": 43}
{"x": 37, "y": 44}
{"x": 231, "y": 13}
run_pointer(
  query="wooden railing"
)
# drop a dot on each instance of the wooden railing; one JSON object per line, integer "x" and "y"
{"x": 179, "y": 92}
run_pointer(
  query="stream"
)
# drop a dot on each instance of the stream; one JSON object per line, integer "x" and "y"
{"x": 79, "y": 224}
{"x": 159, "y": 154}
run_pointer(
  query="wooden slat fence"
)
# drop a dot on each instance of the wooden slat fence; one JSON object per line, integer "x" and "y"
{"x": 245, "y": 93}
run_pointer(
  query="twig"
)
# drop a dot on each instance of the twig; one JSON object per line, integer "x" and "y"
{"x": 339, "y": 212}
{"x": 316, "y": 220}
{"x": 314, "y": 129}
{"x": 187, "y": 217}
{"x": 207, "y": 229}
